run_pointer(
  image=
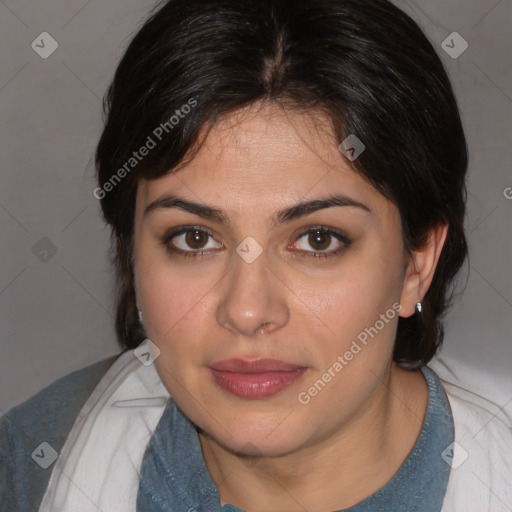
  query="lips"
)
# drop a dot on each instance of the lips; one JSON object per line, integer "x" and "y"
{"x": 255, "y": 379}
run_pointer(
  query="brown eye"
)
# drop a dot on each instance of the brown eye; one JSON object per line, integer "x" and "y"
{"x": 191, "y": 241}
{"x": 319, "y": 240}
{"x": 196, "y": 239}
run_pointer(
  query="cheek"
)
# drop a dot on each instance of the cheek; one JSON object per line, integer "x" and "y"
{"x": 353, "y": 297}
{"x": 177, "y": 318}
{"x": 174, "y": 305}
{"x": 354, "y": 316}
{"x": 358, "y": 322}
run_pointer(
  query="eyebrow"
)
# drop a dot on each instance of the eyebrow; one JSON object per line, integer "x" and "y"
{"x": 286, "y": 215}
{"x": 202, "y": 210}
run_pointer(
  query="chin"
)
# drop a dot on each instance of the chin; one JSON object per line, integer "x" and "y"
{"x": 246, "y": 439}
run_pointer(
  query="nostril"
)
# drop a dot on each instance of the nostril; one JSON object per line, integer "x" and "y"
{"x": 261, "y": 329}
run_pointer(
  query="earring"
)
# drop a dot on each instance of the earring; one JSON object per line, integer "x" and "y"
{"x": 141, "y": 317}
{"x": 418, "y": 307}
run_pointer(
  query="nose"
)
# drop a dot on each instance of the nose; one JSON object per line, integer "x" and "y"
{"x": 253, "y": 299}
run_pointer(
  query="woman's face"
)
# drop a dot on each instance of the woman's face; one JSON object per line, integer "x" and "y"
{"x": 271, "y": 267}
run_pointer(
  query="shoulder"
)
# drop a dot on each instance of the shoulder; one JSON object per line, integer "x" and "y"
{"x": 481, "y": 470}
{"x": 477, "y": 404}
{"x": 47, "y": 417}
{"x": 52, "y": 408}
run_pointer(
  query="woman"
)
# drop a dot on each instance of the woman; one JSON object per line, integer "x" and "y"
{"x": 285, "y": 186}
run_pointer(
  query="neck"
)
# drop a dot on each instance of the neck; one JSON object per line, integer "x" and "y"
{"x": 335, "y": 472}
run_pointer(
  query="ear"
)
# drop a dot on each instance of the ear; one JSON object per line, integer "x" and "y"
{"x": 420, "y": 269}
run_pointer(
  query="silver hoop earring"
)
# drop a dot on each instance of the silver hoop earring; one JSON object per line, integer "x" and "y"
{"x": 418, "y": 307}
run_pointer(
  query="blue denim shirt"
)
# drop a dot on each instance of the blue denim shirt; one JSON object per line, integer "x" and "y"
{"x": 174, "y": 475}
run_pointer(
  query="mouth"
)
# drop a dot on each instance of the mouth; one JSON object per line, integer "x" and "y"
{"x": 255, "y": 379}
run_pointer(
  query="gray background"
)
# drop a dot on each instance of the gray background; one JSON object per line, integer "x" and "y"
{"x": 56, "y": 310}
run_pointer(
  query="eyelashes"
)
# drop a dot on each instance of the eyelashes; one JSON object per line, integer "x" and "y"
{"x": 188, "y": 235}
{"x": 324, "y": 238}
{"x": 197, "y": 241}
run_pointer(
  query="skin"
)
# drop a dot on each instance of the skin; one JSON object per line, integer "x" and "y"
{"x": 276, "y": 454}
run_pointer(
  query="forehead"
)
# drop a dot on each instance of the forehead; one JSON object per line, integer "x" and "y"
{"x": 264, "y": 156}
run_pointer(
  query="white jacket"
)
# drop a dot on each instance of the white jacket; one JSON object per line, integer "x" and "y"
{"x": 481, "y": 475}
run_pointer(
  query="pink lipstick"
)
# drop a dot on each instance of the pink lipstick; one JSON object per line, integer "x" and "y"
{"x": 255, "y": 379}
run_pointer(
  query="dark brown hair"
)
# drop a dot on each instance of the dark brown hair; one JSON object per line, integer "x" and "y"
{"x": 365, "y": 64}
